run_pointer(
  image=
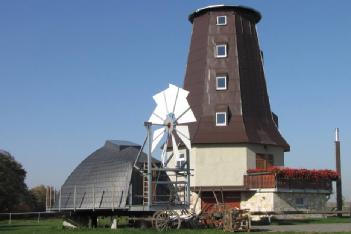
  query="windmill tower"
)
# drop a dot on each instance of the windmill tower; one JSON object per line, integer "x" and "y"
{"x": 235, "y": 129}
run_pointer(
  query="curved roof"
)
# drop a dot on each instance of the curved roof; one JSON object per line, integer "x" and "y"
{"x": 102, "y": 179}
{"x": 246, "y": 10}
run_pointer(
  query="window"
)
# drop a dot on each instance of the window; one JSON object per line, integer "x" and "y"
{"x": 300, "y": 202}
{"x": 264, "y": 161}
{"x": 221, "y": 118}
{"x": 181, "y": 161}
{"x": 221, "y": 20}
{"x": 221, "y": 51}
{"x": 221, "y": 82}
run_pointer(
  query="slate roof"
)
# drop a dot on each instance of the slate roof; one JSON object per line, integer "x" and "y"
{"x": 101, "y": 181}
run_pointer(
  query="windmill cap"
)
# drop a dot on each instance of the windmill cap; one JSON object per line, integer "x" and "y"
{"x": 256, "y": 15}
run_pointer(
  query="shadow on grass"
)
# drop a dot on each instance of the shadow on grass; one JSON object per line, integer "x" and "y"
{"x": 312, "y": 221}
{"x": 293, "y": 222}
{"x": 14, "y": 227}
{"x": 259, "y": 230}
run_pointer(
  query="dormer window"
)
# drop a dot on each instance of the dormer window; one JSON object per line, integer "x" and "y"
{"x": 222, "y": 20}
{"x": 221, "y": 51}
{"x": 221, "y": 82}
{"x": 221, "y": 118}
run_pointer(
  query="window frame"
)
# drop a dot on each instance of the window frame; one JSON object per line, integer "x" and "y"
{"x": 225, "y": 50}
{"x": 300, "y": 202}
{"x": 182, "y": 156}
{"x": 180, "y": 163}
{"x": 225, "y": 119}
{"x": 225, "y": 20}
{"x": 225, "y": 82}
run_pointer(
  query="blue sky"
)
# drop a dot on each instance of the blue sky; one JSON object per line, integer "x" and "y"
{"x": 75, "y": 73}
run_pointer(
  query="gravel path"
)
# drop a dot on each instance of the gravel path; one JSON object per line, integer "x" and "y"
{"x": 334, "y": 227}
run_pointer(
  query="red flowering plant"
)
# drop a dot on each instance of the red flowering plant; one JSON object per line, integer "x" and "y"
{"x": 295, "y": 173}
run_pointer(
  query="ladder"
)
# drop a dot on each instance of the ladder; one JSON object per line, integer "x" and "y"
{"x": 145, "y": 185}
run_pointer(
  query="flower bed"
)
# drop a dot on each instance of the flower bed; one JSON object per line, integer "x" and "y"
{"x": 294, "y": 173}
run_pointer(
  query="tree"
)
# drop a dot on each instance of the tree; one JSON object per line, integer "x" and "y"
{"x": 39, "y": 194}
{"x": 14, "y": 193}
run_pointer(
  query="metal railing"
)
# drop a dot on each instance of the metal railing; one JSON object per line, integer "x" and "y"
{"x": 89, "y": 197}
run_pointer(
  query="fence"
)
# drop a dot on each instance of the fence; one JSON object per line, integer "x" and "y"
{"x": 37, "y": 216}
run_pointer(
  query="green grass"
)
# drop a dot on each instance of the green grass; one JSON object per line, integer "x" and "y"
{"x": 31, "y": 226}
{"x": 54, "y": 226}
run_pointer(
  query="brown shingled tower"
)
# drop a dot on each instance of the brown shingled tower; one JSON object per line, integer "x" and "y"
{"x": 226, "y": 81}
{"x": 235, "y": 129}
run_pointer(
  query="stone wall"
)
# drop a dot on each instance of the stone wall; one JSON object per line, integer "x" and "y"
{"x": 257, "y": 201}
{"x": 266, "y": 200}
{"x": 301, "y": 201}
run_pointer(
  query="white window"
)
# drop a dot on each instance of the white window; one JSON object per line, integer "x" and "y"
{"x": 221, "y": 20}
{"x": 221, "y": 118}
{"x": 181, "y": 161}
{"x": 221, "y": 51}
{"x": 221, "y": 82}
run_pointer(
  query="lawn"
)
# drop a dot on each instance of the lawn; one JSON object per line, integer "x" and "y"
{"x": 54, "y": 226}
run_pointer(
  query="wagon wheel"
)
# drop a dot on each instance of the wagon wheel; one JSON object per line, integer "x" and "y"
{"x": 166, "y": 219}
{"x": 153, "y": 223}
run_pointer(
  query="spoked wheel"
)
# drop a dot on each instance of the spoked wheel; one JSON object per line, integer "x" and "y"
{"x": 165, "y": 220}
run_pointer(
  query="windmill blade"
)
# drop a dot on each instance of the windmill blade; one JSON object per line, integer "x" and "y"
{"x": 161, "y": 102}
{"x": 182, "y": 110}
{"x": 175, "y": 148}
{"x": 183, "y": 133}
{"x": 171, "y": 95}
{"x": 158, "y": 116}
{"x": 181, "y": 104}
{"x": 157, "y": 136}
{"x": 183, "y": 93}
{"x": 186, "y": 117}
{"x": 164, "y": 153}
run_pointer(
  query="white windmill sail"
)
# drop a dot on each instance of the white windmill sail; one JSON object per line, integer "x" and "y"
{"x": 172, "y": 112}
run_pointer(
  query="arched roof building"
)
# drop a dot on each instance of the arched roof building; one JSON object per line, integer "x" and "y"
{"x": 104, "y": 179}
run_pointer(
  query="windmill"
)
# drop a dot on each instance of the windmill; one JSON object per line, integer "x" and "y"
{"x": 170, "y": 119}
{"x": 172, "y": 113}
